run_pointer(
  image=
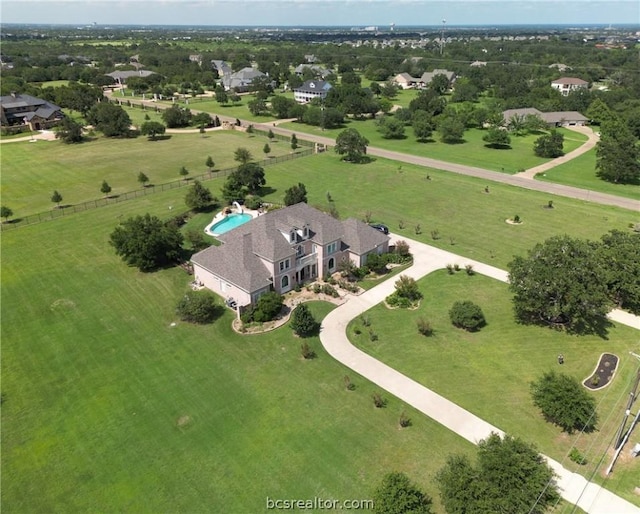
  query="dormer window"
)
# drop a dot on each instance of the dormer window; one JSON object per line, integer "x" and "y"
{"x": 305, "y": 231}
{"x": 292, "y": 236}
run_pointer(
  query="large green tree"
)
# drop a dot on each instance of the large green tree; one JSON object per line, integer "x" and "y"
{"x": 146, "y": 242}
{"x": 549, "y": 145}
{"x": 69, "y": 131}
{"x": 564, "y": 402}
{"x": 560, "y": 283}
{"x": 396, "y": 494}
{"x": 509, "y": 476}
{"x": 619, "y": 253}
{"x": 251, "y": 176}
{"x": 110, "y": 119}
{"x": 176, "y": 117}
{"x": 391, "y": 128}
{"x": 303, "y": 323}
{"x": 198, "y": 197}
{"x": 497, "y": 138}
{"x": 617, "y": 153}
{"x": 295, "y": 194}
{"x": 152, "y": 129}
{"x": 351, "y": 145}
{"x": 5, "y": 212}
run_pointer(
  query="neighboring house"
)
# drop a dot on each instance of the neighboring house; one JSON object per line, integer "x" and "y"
{"x": 197, "y": 58}
{"x": 120, "y": 77}
{"x": 283, "y": 248}
{"x": 311, "y": 89}
{"x": 310, "y": 58}
{"x": 28, "y": 111}
{"x": 241, "y": 81}
{"x": 406, "y": 81}
{"x": 478, "y": 64}
{"x": 221, "y": 67}
{"x": 554, "y": 119}
{"x": 568, "y": 84}
{"x": 559, "y": 66}
{"x": 318, "y": 71}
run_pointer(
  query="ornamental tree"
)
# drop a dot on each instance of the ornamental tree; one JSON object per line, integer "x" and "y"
{"x": 549, "y": 145}
{"x": 152, "y": 129}
{"x": 56, "y": 198}
{"x": 105, "y": 188}
{"x": 303, "y": 323}
{"x": 146, "y": 242}
{"x": 198, "y": 197}
{"x": 5, "y": 212}
{"x": 564, "y": 402}
{"x": 295, "y": 194}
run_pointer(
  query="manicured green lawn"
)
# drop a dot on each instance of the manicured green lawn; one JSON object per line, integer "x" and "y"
{"x": 107, "y": 408}
{"x": 32, "y": 171}
{"x": 581, "y": 172}
{"x": 489, "y": 372}
{"x": 471, "y": 152}
{"x": 454, "y": 205}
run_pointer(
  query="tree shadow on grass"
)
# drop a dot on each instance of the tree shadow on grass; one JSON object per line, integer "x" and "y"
{"x": 495, "y": 146}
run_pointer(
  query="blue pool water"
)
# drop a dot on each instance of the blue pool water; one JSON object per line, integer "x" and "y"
{"x": 230, "y": 222}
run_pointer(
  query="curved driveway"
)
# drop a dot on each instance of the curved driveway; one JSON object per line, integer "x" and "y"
{"x": 574, "y": 488}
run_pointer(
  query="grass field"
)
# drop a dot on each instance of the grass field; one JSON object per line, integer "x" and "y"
{"x": 454, "y": 205}
{"x": 32, "y": 171}
{"x": 475, "y": 369}
{"x": 472, "y": 152}
{"x": 581, "y": 172}
{"x": 108, "y": 408}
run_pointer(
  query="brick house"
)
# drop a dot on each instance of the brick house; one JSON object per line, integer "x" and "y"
{"x": 20, "y": 110}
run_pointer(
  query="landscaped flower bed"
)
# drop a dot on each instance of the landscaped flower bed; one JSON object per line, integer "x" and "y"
{"x": 604, "y": 372}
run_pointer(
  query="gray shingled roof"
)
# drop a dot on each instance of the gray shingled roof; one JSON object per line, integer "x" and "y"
{"x": 236, "y": 263}
{"x": 361, "y": 237}
{"x": 119, "y": 75}
{"x": 314, "y": 86}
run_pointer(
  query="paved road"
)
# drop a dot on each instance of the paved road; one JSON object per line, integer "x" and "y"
{"x": 494, "y": 176}
{"x": 574, "y": 488}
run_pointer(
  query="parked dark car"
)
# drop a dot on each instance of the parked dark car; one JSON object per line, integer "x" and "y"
{"x": 382, "y": 228}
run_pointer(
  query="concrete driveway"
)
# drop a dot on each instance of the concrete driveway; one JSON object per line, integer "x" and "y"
{"x": 574, "y": 488}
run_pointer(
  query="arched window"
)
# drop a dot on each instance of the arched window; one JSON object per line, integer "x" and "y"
{"x": 285, "y": 281}
{"x": 332, "y": 264}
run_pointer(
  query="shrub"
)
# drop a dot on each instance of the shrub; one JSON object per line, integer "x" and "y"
{"x": 350, "y": 386}
{"x": 402, "y": 248}
{"x": 198, "y": 307}
{"x": 329, "y": 290}
{"x": 401, "y": 224}
{"x": 435, "y": 234}
{"x": 378, "y": 401}
{"x": 516, "y": 219}
{"x": 395, "y": 300}
{"x": 366, "y": 321}
{"x": 576, "y": 456}
{"x": 307, "y": 352}
{"x": 268, "y": 307}
{"x": 407, "y": 287}
{"x": 418, "y": 229}
{"x": 450, "y": 269}
{"x": 303, "y": 323}
{"x": 253, "y": 202}
{"x": 467, "y": 315}
{"x": 564, "y": 402}
{"x": 469, "y": 269}
{"x": 373, "y": 337}
{"x": 424, "y": 327}
{"x": 456, "y": 267}
{"x": 404, "y": 420}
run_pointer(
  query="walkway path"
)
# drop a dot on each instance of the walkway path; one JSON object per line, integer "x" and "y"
{"x": 584, "y": 148}
{"x": 574, "y": 488}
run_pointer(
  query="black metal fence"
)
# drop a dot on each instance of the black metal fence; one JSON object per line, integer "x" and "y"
{"x": 68, "y": 210}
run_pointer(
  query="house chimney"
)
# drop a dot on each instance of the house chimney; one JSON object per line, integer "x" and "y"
{"x": 13, "y": 94}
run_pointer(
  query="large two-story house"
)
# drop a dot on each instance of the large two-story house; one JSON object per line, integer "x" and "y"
{"x": 567, "y": 85}
{"x": 21, "y": 110}
{"x": 283, "y": 248}
{"x": 311, "y": 89}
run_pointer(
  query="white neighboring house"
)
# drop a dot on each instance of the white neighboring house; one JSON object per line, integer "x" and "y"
{"x": 568, "y": 84}
{"x": 283, "y": 248}
{"x": 311, "y": 89}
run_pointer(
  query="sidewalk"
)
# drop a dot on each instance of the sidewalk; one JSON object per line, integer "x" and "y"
{"x": 574, "y": 488}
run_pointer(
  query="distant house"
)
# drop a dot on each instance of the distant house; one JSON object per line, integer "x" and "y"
{"x": 311, "y": 89}
{"x": 568, "y": 84}
{"x": 318, "y": 71}
{"x": 241, "y": 81}
{"x": 553, "y": 119}
{"x": 221, "y": 67}
{"x": 478, "y": 64}
{"x": 20, "y": 110}
{"x": 559, "y": 66}
{"x": 406, "y": 81}
{"x": 283, "y": 248}
{"x": 197, "y": 58}
{"x": 120, "y": 77}
{"x": 310, "y": 58}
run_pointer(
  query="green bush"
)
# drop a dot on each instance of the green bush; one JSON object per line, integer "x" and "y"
{"x": 564, "y": 402}
{"x": 198, "y": 307}
{"x": 576, "y": 456}
{"x": 303, "y": 323}
{"x": 253, "y": 202}
{"x": 267, "y": 308}
{"x": 467, "y": 315}
{"x": 424, "y": 327}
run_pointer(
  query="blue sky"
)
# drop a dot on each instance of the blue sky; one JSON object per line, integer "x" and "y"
{"x": 320, "y": 12}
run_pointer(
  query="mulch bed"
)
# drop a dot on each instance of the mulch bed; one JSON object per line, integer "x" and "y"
{"x": 603, "y": 374}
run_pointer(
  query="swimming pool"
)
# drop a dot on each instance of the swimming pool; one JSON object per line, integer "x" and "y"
{"x": 230, "y": 222}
